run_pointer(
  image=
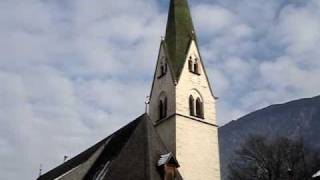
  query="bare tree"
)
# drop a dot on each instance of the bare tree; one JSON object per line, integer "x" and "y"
{"x": 280, "y": 159}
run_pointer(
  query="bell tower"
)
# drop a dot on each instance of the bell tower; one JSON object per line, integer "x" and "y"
{"x": 182, "y": 104}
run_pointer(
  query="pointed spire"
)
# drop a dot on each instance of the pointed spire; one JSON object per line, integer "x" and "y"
{"x": 179, "y": 33}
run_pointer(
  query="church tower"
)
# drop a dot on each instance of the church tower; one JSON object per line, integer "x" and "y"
{"x": 182, "y": 104}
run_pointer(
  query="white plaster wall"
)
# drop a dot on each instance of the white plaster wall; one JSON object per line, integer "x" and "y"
{"x": 197, "y": 147}
{"x": 197, "y": 150}
{"x": 189, "y": 81}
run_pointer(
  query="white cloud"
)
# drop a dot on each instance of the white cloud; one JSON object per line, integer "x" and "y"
{"x": 261, "y": 52}
{"x": 299, "y": 28}
{"x": 72, "y": 72}
{"x": 212, "y": 19}
{"x": 64, "y": 75}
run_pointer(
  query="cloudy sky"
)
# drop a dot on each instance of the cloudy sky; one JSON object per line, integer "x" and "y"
{"x": 73, "y": 71}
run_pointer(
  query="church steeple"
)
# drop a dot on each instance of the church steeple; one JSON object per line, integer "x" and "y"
{"x": 182, "y": 104}
{"x": 179, "y": 33}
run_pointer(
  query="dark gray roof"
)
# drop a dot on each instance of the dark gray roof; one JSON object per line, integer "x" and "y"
{"x": 131, "y": 152}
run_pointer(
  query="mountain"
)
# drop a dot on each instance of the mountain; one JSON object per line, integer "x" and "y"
{"x": 295, "y": 119}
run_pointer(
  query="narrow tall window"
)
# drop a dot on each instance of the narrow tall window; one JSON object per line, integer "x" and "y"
{"x": 191, "y": 105}
{"x": 190, "y": 65}
{"x": 196, "y": 68}
{"x": 165, "y": 107}
{"x": 160, "y": 109}
{"x": 199, "y": 108}
{"x": 163, "y": 69}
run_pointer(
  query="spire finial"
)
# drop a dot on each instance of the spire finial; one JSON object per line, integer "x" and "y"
{"x": 193, "y": 35}
{"x": 147, "y": 102}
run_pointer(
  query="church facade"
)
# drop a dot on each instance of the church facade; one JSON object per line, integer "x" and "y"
{"x": 178, "y": 137}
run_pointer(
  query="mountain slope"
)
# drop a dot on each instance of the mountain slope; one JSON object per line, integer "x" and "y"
{"x": 296, "y": 119}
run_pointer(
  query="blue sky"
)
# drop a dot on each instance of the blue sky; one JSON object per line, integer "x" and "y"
{"x": 72, "y": 72}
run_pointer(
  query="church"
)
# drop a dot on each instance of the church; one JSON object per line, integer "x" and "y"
{"x": 178, "y": 137}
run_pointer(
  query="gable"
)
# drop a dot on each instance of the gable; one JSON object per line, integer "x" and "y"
{"x": 193, "y": 52}
{"x": 162, "y": 85}
{"x": 162, "y": 59}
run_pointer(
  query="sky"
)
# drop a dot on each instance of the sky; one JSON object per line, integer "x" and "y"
{"x": 74, "y": 71}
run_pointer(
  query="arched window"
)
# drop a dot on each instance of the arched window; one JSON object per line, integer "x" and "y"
{"x": 190, "y": 64}
{"x": 193, "y": 65}
{"x": 191, "y": 105}
{"x": 196, "y": 108}
{"x": 163, "y": 107}
{"x": 196, "y": 68}
{"x": 199, "y": 108}
{"x": 163, "y": 69}
{"x": 160, "y": 109}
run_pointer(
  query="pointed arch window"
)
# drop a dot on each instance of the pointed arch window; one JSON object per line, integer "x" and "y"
{"x": 196, "y": 105}
{"x": 163, "y": 107}
{"x": 193, "y": 65}
{"x": 160, "y": 109}
{"x": 199, "y": 108}
{"x": 196, "y": 67}
{"x": 163, "y": 69}
{"x": 191, "y": 105}
{"x": 190, "y": 64}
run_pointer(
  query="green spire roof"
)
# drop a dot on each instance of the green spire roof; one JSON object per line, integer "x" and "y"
{"x": 178, "y": 34}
